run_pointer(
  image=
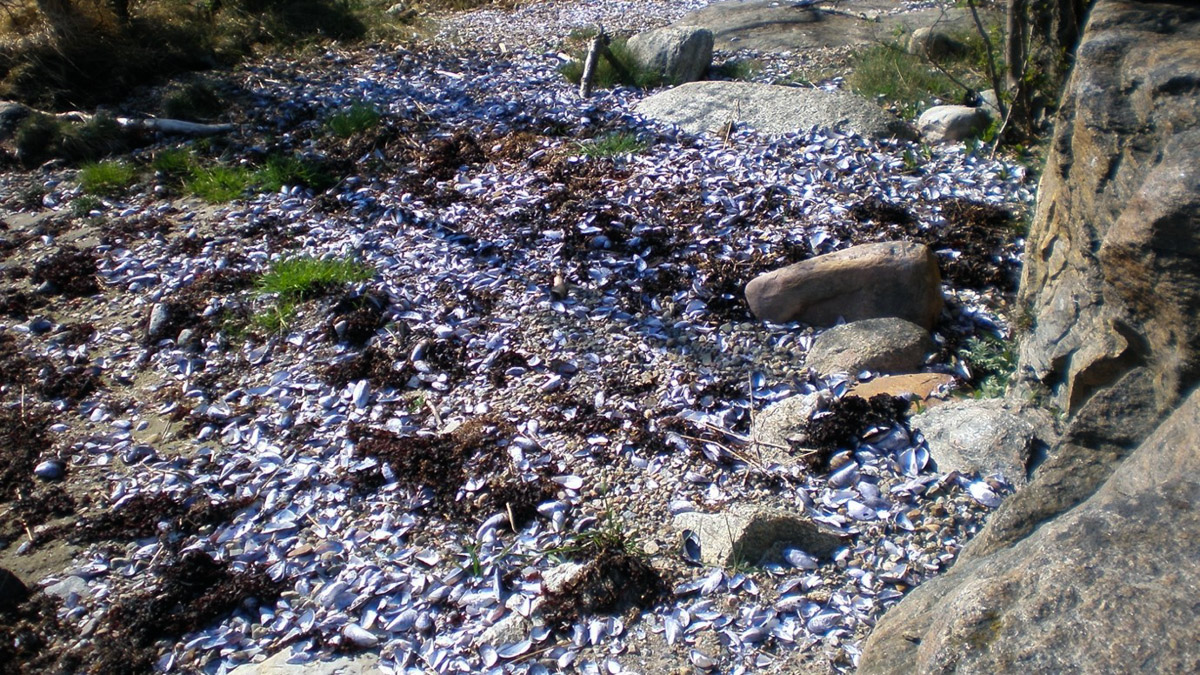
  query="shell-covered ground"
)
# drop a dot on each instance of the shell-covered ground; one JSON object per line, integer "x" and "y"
{"x": 550, "y": 359}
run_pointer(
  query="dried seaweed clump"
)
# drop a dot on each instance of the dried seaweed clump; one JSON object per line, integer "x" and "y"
{"x": 194, "y": 591}
{"x": 614, "y": 581}
{"x": 141, "y": 516}
{"x": 69, "y": 271}
{"x": 846, "y": 420}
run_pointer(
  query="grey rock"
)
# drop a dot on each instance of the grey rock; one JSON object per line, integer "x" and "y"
{"x": 160, "y": 316}
{"x": 935, "y": 44}
{"x": 991, "y": 436}
{"x": 989, "y": 102}
{"x": 679, "y": 54}
{"x": 708, "y": 107}
{"x": 887, "y": 345}
{"x": 757, "y": 536}
{"x": 69, "y": 586}
{"x": 46, "y": 288}
{"x": 1107, "y": 587}
{"x": 359, "y": 664}
{"x": 50, "y": 469}
{"x": 887, "y": 279}
{"x": 779, "y": 429}
{"x": 952, "y": 123}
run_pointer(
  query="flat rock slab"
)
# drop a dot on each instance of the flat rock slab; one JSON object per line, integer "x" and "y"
{"x": 779, "y": 428}
{"x": 988, "y": 436}
{"x": 887, "y": 345}
{"x": 774, "y": 26}
{"x": 756, "y": 536}
{"x": 359, "y": 664}
{"x": 707, "y": 107}
{"x": 927, "y": 388}
{"x": 870, "y": 281}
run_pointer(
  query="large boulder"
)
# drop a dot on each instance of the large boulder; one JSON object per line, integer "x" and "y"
{"x": 678, "y": 54}
{"x": 887, "y": 345}
{"x": 952, "y": 123}
{"x": 1108, "y": 588}
{"x": 886, "y": 279}
{"x": 709, "y": 107}
{"x": 1084, "y": 568}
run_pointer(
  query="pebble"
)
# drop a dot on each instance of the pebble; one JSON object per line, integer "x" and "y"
{"x": 50, "y": 469}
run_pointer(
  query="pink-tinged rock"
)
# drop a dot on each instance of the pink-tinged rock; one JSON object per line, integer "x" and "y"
{"x": 887, "y": 279}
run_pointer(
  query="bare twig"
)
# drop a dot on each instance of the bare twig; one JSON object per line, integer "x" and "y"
{"x": 991, "y": 59}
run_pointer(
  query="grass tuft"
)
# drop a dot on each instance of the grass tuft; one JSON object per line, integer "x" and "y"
{"x": 901, "y": 78}
{"x": 174, "y": 163}
{"x": 83, "y": 206}
{"x": 355, "y": 120}
{"x": 744, "y": 70}
{"x": 196, "y": 101}
{"x": 287, "y": 171}
{"x": 305, "y": 277}
{"x": 614, "y": 145}
{"x": 106, "y": 178}
{"x": 218, "y": 184}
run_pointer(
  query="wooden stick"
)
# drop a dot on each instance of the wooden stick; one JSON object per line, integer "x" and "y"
{"x": 589, "y": 65}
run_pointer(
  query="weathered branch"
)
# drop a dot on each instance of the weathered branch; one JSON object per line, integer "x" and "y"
{"x": 164, "y": 125}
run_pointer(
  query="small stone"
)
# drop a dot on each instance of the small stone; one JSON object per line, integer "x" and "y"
{"x": 678, "y": 54}
{"x": 934, "y": 44}
{"x": 887, "y": 345}
{"x": 71, "y": 585}
{"x": 160, "y": 314}
{"x": 952, "y": 123}
{"x": 756, "y": 536}
{"x": 40, "y": 326}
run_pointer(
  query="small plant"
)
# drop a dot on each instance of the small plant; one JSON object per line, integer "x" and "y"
{"x": 306, "y": 277}
{"x": 357, "y": 119}
{"x": 106, "y": 178}
{"x": 37, "y": 138}
{"x": 83, "y": 206}
{"x": 613, "y": 145}
{"x": 174, "y": 163}
{"x": 739, "y": 69}
{"x": 219, "y": 184}
{"x": 287, "y": 171}
{"x": 277, "y": 318}
{"x": 992, "y": 362}
{"x": 607, "y": 76}
{"x": 906, "y": 80}
{"x": 609, "y": 534}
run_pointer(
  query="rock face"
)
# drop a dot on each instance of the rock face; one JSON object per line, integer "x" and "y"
{"x": 888, "y": 279}
{"x": 1106, "y": 588}
{"x": 952, "y": 123}
{"x": 708, "y": 107}
{"x": 680, "y": 54}
{"x": 1084, "y": 568}
{"x": 989, "y": 437}
{"x": 886, "y": 345}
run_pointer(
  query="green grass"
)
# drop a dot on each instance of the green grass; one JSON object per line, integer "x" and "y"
{"x": 908, "y": 81}
{"x": 82, "y": 206}
{"x": 282, "y": 171}
{"x": 304, "y": 277}
{"x": 613, "y": 145}
{"x": 277, "y": 318}
{"x": 739, "y": 69}
{"x": 357, "y": 119}
{"x": 174, "y": 163}
{"x": 196, "y": 101}
{"x": 106, "y": 178}
{"x": 607, "y": 76}
{"x": 610, "y": 533}
{"x": 218, "y": 184}
{"x": 992, "y": 362}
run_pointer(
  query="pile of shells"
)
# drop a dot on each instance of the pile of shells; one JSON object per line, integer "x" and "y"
{"x": 574, "y": 320}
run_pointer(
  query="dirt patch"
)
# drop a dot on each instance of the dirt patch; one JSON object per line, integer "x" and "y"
{"x": 23, "y": 438}
{"x": 842, "y": 425}
{"x": 70, "y": 271}
{"x": 614, "y": 581}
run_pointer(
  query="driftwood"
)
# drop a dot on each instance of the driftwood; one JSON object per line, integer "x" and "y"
{"x": 168, "y": 126}
{"x": 597, "y": 49}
